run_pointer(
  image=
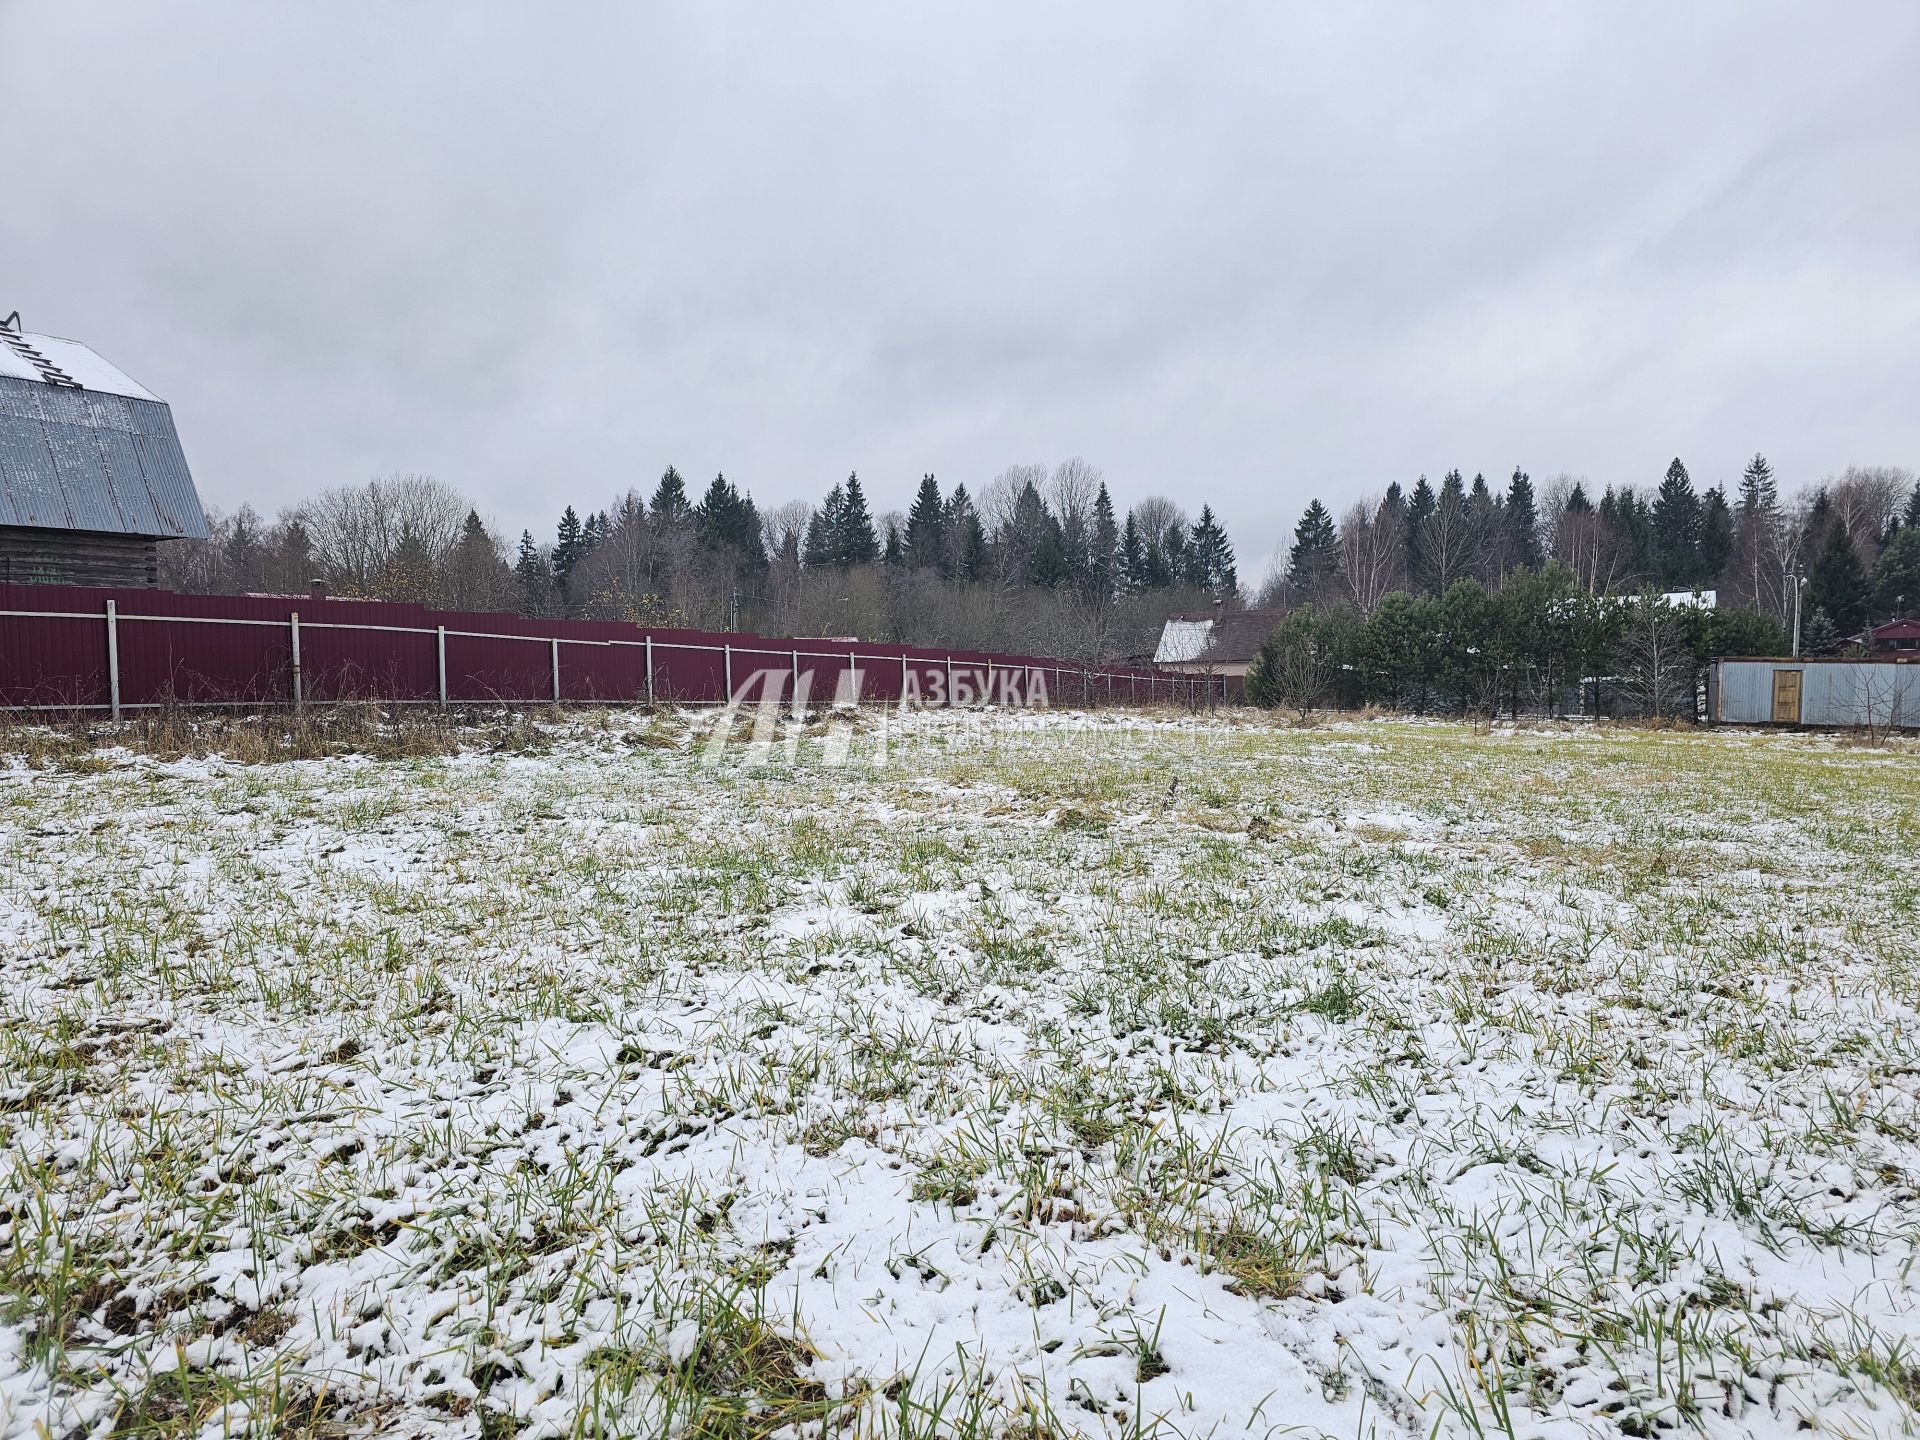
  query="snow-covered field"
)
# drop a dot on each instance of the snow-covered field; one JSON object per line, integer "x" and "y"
{"x": 1059, "y": 1075}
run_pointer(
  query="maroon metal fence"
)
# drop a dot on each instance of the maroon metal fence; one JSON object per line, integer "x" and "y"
{"x": 72, "y": 648}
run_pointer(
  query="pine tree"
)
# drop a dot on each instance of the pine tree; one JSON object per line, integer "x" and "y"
{"x": 1840, "y": 585}
{"x": 1676, "y": 528}
{"x": 1522, "y": 522}
{"x": 1717, "y": 539}
{"x": 670, "y": 507}
{"x": 1312, "y": 561}
{"x": 925, "y": 546}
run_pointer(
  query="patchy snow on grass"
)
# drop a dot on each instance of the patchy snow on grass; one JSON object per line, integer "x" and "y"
{"x": 1050, "y": 1075}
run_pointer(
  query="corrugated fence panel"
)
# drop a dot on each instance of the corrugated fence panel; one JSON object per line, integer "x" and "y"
{"x": 201, "y": 649}
{"x": 1832, "y": 692}
{"x": 55, "y": 663}
{"x": 1746, "y": 692}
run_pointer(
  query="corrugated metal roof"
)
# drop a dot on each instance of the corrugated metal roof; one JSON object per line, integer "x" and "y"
{"x": 80, "y": 456}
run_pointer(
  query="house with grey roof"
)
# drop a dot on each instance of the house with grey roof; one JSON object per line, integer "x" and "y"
{"x": 92, "y": 477}
{"x": 1223, "y": 643}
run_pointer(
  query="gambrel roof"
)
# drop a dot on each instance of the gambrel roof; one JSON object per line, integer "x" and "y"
{"x": 83, "y": 446}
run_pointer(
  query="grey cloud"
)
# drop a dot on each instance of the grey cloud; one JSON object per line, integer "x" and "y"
{"x": 1224, "y": 252}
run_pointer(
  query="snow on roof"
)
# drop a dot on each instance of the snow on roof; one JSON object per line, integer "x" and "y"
{"x": 84, "y": 447}
{"x": 1182, "y": 641}
{"x": 69, "y": 359}
{"x": 1698, "y": 599}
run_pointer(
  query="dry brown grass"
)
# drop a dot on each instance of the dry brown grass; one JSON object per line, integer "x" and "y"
{"x": 266, "y": 737}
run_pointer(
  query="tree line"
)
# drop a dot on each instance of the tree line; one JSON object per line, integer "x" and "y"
{"x": 1466, "y": 599}
{"x": 1040, "y": 561}
{"x": 1852, "y": 541}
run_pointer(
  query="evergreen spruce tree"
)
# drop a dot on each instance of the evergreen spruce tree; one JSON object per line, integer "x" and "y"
{"x": 1676, "y": 528}
{"x": 1486, "y": 548}
{"x": 1134, "y": 575}
{"x": 1758, "y": 493}
{"x": 1840, "y": 586}
{"x": 973, "y": 547}
{"x": 1522, "y": 522}
{"x": 1896, "y": 577}
{"x": 892, "y": 554}
{"x": 1716, "y": 537}
{"x": 1212, "y": 554}
{"x": 1175, "y": 562}
{"x": 857, "y": 543}
{"x": 567, "y": 545}
{"x": 1105, "y": 545}
{"x": 1912, "y": 520}
{"x": 1048, "y": 567}
{"x": 966, "y": 537}
{"x": 727, "y": 520}
{"x": 925, "y": 545}
{"x": 824, "y": 528}
{"x": 532, "y": 577}
{"x": 670, "y": 507}
{"x": 1313, "y": 560}
{"x": 1420, "y": 506}
{"x": 477, "y": 578}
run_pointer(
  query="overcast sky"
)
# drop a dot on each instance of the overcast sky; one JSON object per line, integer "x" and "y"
{"x": 1229, "y": 253}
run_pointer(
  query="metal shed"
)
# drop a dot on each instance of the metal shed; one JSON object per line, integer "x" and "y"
{"x": 91, "y": 471}
{"x": 1814, "y": 691}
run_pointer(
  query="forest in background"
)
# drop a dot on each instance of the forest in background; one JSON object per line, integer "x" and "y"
{"x": 1042, "y": 562}
{"x": 1038, "y": 563}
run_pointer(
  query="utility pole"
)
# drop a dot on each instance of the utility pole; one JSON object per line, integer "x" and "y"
{"x": 1794, "y": 580}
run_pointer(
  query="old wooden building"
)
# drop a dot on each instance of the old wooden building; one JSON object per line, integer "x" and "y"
{"x": 92, "y": 478}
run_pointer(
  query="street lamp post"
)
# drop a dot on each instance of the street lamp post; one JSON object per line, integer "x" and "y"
{"x": 1798, "y": 584}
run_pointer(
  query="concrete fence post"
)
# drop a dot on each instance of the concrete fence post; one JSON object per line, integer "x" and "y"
{"x": 299, "y": 690}
{"x": 949, "y": 682}
{"x": 649, "y": 669}
{"x": 727, "y": 651}
{"x": 903, "y": 677}
{"x": 796, "y": 674}
{"x": 440, "y": 657}
{"x": 990, "y": 699}
{"x": 113, "y": 659}
{"x": 555, "y": 644}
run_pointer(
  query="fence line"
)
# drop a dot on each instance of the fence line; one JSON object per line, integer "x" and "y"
{"x": 242, "y": 659}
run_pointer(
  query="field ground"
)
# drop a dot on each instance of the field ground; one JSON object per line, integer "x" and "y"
{"x": 1059, "y": 1075}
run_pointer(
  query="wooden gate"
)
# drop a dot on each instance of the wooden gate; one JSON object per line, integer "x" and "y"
{"x": 1786, "y": 697}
